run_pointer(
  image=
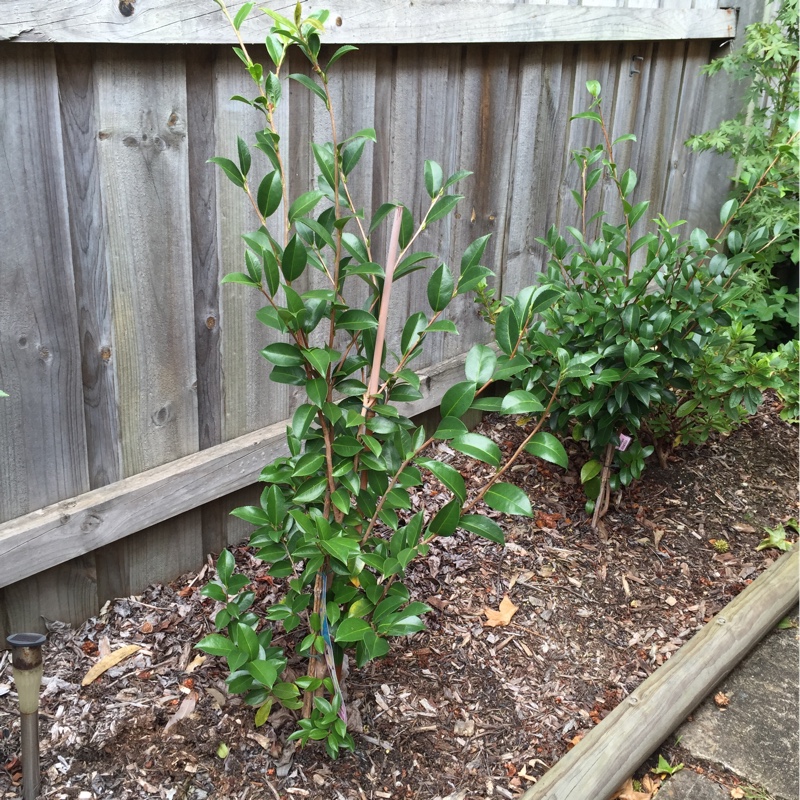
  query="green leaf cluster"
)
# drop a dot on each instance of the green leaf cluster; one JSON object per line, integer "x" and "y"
{"x": 762, "y": 141}
{"x": 633, "y": 335}
{"x": 335, "y": 519}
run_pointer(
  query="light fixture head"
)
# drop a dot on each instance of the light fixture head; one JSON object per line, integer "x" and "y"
{"x": 26, "y": 661}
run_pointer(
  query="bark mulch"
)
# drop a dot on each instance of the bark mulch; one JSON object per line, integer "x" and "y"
{"x": 527, "y": 648}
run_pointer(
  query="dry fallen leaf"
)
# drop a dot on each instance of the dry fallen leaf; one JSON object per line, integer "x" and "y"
{"x": 184, "y": 710}
{"x": 721, "y": 699}
{"x": 111, "y": 660}
{"x": 501, "y": 617}
{"x": 737, "y": 793}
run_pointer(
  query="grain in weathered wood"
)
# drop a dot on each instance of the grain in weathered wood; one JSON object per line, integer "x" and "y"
{"x": 85, "y": 523}
{"x": 657, "y": 114}
{"x": 485, "y": 132}
{"x": 66, "y": 592}
{"x": 144, "y": 169}
{"x": 80, "y": 127}
{"x": 42, "y": 431}
{"x": 5, "y": 627}
{"x": 365, "y": 21}
{"x": 157, "y": 554}
{"x": 426, "y": 106}
{"x": 686, "y": 167}
{"x": 545, "y": 90}
{"x": 597, "y": 766}
{"x": 201, "y": 65}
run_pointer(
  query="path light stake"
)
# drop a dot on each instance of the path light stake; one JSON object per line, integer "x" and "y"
{"x": 26, "y": 661}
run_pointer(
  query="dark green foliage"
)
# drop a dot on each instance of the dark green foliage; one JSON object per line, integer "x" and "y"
{"x": 763, "y": 142}
{"x": 335, "y": 518}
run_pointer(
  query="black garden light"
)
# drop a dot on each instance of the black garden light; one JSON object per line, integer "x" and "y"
{"x": 26, "y": 660}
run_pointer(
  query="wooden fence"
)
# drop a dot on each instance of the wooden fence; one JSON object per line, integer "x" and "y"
{"x": 140, "y": 410}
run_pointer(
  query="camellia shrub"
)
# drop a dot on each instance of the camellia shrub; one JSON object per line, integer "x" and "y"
{"x": 622, "y": 345}
{"x": 762, "y": 140}
{"x": 335, "y": 520}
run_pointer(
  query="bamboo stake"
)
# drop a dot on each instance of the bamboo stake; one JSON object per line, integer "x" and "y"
{"x": 383, "y": 313}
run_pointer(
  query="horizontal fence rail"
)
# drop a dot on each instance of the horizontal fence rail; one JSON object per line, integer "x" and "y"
{"x": 371, "y": 22}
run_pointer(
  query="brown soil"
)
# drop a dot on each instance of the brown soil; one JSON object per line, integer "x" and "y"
{"x": 460, "y": 711}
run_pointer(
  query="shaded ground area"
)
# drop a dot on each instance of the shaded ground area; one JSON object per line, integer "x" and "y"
{"x": 462, "y": 710}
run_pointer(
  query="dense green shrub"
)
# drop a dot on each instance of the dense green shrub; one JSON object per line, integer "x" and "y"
{"x": 635, "y": 337}
{"x": 762, "y": 140}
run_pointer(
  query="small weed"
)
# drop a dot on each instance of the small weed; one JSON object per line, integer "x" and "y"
{"x": 776, "y": 537}
{"x": 665, "y": 768}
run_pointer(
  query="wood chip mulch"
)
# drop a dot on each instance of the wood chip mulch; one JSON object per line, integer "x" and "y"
{"x": 466, "y": 709}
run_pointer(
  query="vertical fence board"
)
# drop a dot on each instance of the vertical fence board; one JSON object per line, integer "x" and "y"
{"x": 67, "y": 593}
{"x": 201, "y": 66}
{"x": 155, "y": 555}
{"x": 486, "y": 143}
{"x": 143, "y": 155}
{"x": 42, "y": 431}
{"x": 144, "y": 166}
{"x": 88, "y": 237}
{"x": 545, "y": 88}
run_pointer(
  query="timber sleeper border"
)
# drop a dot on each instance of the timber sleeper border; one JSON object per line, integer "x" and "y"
{"x": 609, "y": 754}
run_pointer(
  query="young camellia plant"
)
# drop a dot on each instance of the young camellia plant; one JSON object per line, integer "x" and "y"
{"x": 335, "y": 518}
{"x": 618, "y": 345}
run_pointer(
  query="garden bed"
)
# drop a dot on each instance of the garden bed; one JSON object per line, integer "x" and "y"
{"x": 464, "y": 709}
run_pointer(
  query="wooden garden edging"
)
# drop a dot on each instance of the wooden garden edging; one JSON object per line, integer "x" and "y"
{"x": 598, "y": 765}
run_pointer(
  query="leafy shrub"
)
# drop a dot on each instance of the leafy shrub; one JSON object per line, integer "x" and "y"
{"x": 335, "y": 519}
{"x": 762, "y": 140}
{"x": 634, "y": 338}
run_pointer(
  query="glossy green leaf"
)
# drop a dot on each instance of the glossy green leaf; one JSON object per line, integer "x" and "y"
{"x": 311, "y": 491}
{"x": 263, "y": 671}
{"x": 446, "y": 519}
{"x": 449, "y": 428}
{"x": 520, "y": 402}
{"x": 440, "y": 288}
{"x": 283, "y": 354}
{"x": 478, "y": 446}
{"x": 230, "y": 169}
{"x": 295, "y": 258}
{"x": 480, "y": 364}
{"x": 311, "y": 86}
{"x": 457, "y": 399}
{"x": 352, "y": 629}
{"x": 270, "y": 193}
{"x": 442, "y": 207}
{"x": 590, "y": 469}
{"x": 482, "y": 526}
{"x": 304, "y": 204}
{"x": 434, "y": 178}
{"x": 508, "y": 499}
{"x": 448, "y": 475}
{"x": 546, "y": 446}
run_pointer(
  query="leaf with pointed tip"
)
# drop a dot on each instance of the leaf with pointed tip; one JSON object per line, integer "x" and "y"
{"x": 544, "y": 445}
{"x": 508, "y": 499}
